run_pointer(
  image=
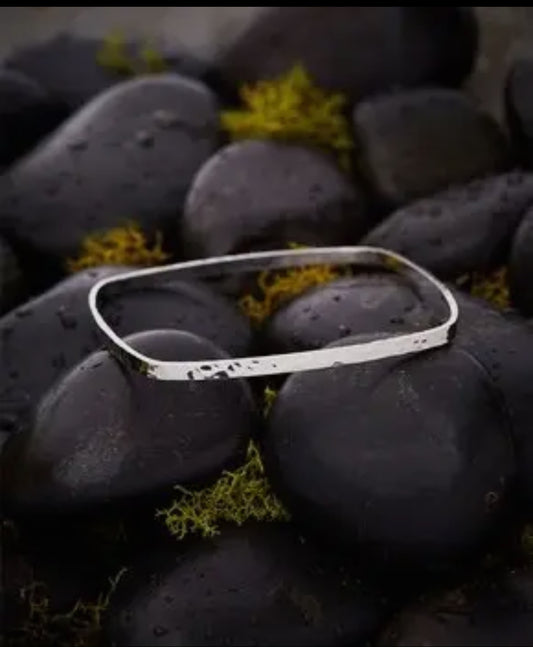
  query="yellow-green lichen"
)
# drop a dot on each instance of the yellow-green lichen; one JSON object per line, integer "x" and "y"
{"x": 276, "y": 288}
{"x": 292, "y": 108}
{"x": 238, "y": 496}
{"x": 492, "y": 286}
{"x": 152, "y": 61}
{"x": 269, "y": 397}
{"x": 125, "y": 245}
{"x": 115, "y": 56}
{"x": 79, "y": 627}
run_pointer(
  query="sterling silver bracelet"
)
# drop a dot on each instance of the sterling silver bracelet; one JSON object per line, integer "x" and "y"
{"x": 243, "y": 367}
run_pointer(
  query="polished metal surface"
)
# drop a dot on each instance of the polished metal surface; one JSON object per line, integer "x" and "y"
{"x": 243, "y": 367}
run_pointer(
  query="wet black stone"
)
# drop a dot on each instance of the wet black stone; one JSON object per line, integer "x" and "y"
{"x": 12, "y": 288}
{"x": 414, "y": 143}
{"x": 499, "y": 613}
{"x": 358, "y": 50}
{"x": 27, "y": 113}
{"x": 103, "y": 434}
{"x": 519, "y": 109}
{"x": 36, "y": 346}
{"x": 181, "y": 305}
{"x": 67, "y": 66}
{"x": 405, "y": 464}
{"x": 94, "y": 173}
{"x": 462, "y": 229}
{"x": 60, "y": 326}
{"x": 250, "y": 586}
{"x": 261, "y": 195}
{"x": 365, "y": 303}
{"x": 503, "y": 343}
{"x": 521, "y": 266}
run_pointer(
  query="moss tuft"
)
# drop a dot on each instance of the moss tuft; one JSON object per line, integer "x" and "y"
{"x": 269, "y": 397}
{"x": 115, "y": 57}
{"x": 493, "y": 287}
{"x": 291, "y": 108}
{"x": 152, "y": 61}
{"x": 79, "y": 627}
{"x": 239, "y": 496}
{"x": 125, "y": 245}
{"x": 276, "y": 288}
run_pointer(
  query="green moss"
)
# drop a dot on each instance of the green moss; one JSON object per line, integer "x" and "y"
{"x": 152, "y": 61}
{"x": 269, "y": 397}
{"x": 493, "y": 287}
{"x": 291, "y": 108}
{"x": 276, "y": 288}
{"x": 125, "y": 245}
{"x": 79, "y": 627}
{"x": 239, "y": 496}
{"x": 115, "y": 56}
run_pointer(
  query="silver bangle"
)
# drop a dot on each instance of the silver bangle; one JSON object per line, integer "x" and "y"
{"x": 243, "y": 367}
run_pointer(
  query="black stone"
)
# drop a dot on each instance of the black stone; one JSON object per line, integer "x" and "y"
{"x": 403, "y": 463}
{"x": 181, "y": 305}
{"x": 51, "y": 333}
{"x": 499, "y": 612}
{"x": 103, "y": 434}
{"x": 12, "y": 288}
{"x": 361, "y": 304}
{"x": 67, "y": 66}
{"x": 250, "y": 586}
{"x": 40, "y": 340}
{"x": 27, "y": 113}
{"x": 412, "y": 144}
{"x": 519, "y": 109}
{"x": 503, "y": 344}
{"x": 521, "y": 266}
{"x": 460, "y": 230}
{"x": 358, "y": 50}
{"x": 261, "y": 195}
{"x": 113, "y": 161}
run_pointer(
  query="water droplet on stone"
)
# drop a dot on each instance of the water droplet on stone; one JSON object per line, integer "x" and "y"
{"x": 23, "y": 312}
{"x": 491, "y": 499}
{"x": 78, "y": 144}
{"x": 166, "y": 118}
{"x": 144, "y": 138}
{"x": 68, "y": 321}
